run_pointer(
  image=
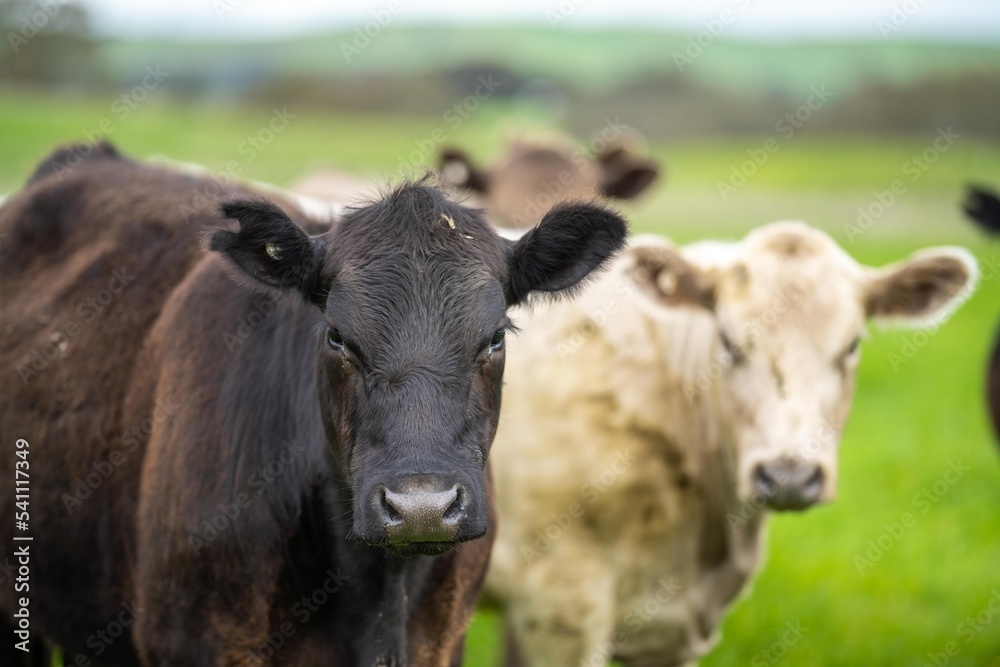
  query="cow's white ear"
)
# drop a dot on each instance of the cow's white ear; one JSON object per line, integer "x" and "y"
{"x": 924, "y": 288}
{"x": 662, "y": 274}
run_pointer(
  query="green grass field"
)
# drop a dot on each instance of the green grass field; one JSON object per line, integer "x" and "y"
{"x": 919, "y": 406}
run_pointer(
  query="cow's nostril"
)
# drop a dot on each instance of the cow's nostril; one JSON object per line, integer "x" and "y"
{"x": 456, "y": 511}
{"x": 814, "y": 485}
{"x": 389, "y": 511}
{"x": 789, "y": 484}
{"x": 765, "y": 481}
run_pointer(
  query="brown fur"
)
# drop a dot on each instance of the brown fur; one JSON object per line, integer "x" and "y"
{"x": 530, "y": 178}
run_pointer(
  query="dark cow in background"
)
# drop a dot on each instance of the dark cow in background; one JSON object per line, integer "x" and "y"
{"x": 533, "y": 176}
{"x": 983, "y": 207}
{"x": 290, "y": 474}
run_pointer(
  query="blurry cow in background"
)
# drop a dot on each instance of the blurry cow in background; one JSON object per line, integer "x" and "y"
{"x": 524, "y": 184}
{"x": 983, "y": 207}
{"x": 650, "y": 425}
{"x": 334, "y": 185}
{"x": 532, "y": 177}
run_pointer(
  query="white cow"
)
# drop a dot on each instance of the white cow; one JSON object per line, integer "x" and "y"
{"x": 650, "y": 425}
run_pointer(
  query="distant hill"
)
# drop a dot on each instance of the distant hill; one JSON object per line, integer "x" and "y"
{"x": 589, "y": 60}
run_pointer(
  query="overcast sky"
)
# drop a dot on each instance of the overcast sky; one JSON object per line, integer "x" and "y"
{"x": 964, "y": 20}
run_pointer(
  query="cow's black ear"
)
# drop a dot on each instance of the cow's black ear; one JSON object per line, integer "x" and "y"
{"x": 458, "y": 171}
{"x": 571, "y": 241}
{"x": 626, "y": 174}
{"x": 983, "y": 207}
{"x": 269, "y": 247}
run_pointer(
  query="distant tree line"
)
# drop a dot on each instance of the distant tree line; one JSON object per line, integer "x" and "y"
{"x": 671, "y": 107}
{"x": 47, "y": 42}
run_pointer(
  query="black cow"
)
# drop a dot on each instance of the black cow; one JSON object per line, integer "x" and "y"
{"x": 982, "y": 205}
{"x": 294, "y": 473}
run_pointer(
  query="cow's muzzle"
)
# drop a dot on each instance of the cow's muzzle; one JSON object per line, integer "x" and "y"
{"x": 421, "y": 509}
{"x": 789, "y": 484}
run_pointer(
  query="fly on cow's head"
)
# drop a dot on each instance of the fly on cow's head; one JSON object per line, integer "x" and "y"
{"x": 411, "y": 294}
{"x": 790, "y": 309}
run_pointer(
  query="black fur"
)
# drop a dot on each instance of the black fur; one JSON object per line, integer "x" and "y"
{"x": 571, "y": 241}
{"x": 268, "y": 247}
{"x": 982, "y": 205}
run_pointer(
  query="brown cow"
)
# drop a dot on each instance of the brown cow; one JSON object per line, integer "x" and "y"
{"x": 522, "y": 186}
{"x": 531, "y": 178}
{"x": 289, "y": 474}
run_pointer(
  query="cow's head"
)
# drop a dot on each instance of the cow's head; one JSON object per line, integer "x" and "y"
{"x": 530, "y": 179}
{"x": 790, "y": 310}
{"x": 411, "y": 294}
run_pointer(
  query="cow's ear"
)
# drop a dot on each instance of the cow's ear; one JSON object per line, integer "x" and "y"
{"x": 665, "y": 276}
{"x": 983, "y": 207}
{"x": 925, "y": 287}
{"x": 459, "y": 172}
{"x": 570, "y": 242}
{"x": 269, "y": 248}
{"x": 626, "y": 174}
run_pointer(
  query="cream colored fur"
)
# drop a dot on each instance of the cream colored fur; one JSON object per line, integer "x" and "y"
{"x": 628, "y": 436}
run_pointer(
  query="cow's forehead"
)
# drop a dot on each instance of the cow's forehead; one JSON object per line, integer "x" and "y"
{"x": 794, "y": 257}
{"x": 417, "y": 229}
{"x": 418, "y": 296}
{"x": 792, "y": 279}
{"x": 434, "y": 275}
{"x": 550, "y": 163}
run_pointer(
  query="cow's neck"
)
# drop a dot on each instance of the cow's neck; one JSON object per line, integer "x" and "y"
{"x": 731, "y": 531}
{"x": 726, "y": 539}
{"x": 741, "y": 521}
{"x": 384, "y": 642}
{"x": 380, "y": 583}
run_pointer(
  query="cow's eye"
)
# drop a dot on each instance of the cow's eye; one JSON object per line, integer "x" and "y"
{"x": 335, "y": 340}
{"x": 496, "y": 342}
{"x": 733, "y": 350}
{"x": 852, "y": 349}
